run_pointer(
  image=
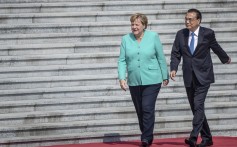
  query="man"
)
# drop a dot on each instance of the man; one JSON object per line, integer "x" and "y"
{"x": 193, "y": 44}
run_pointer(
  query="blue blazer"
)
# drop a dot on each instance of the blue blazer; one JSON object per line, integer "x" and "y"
{"x": 144, "y": 62}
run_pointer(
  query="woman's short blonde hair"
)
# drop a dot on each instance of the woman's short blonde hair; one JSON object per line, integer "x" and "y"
{"x": 142, "y": 17}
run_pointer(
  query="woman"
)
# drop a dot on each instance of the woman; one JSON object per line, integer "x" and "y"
{"x": 141, "y": 55}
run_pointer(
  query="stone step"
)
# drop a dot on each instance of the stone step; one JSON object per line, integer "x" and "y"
{"x": 15, "y": 64}
{"x": 58, "y": 70}
{"x": 84, "y": 58}
{"x": 59, "y": 59}
{"x": 110, "y": 6}
{"x": 54, "y": 128}
{"x": 61, "y": 48}
{"x": 87, "y": 47}
{"x": 97, "y": 114}
{"x": 57, "y": 92}
{"x": 64, "y": 37}
{"x": 108, "y": 26}
{"x": 51, "y": 1}
{"x": 89, "y": 80}
{"x": 58, "y": 81}
{"x": 106, "y": 136}
{"x": 94, "y": 90}
{"x": 95, "y": 36}
{"x": 178, "y": 85}
{"x": 108, "y": 125}
{"x": 29, "y": 18}
{"x": 13, "y": 108}
{"x": 83, "y": 69}
{"x": 219, "y": 74}
{"x": 71, "y": 68}
{"x": 85, "y": 62}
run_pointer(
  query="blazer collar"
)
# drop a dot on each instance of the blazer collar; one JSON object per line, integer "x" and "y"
{"x": 186, "y": 36}
{"x": 200, "y": 37}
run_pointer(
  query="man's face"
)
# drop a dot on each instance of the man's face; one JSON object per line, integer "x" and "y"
{"x": 191, "y": 21}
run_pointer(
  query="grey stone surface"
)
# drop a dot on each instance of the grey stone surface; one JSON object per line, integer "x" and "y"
{"x": 29, "y": 18}
{"x": 109, "y": 6}
{"x": 58, "y": 77}
{"x": 94, "y": 36}
{"x": 107, "y": 26}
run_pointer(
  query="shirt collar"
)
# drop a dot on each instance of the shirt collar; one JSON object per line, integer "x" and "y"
{"x": 195, "y": 33}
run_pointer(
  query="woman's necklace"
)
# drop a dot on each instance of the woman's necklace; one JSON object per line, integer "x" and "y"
{"x": 140, "y": 37}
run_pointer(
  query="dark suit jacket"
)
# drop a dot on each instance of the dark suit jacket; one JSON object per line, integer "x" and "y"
{"x": 200, "y": 63}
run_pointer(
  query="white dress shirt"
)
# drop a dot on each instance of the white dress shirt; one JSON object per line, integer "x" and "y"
{"x": 195, "y": 38}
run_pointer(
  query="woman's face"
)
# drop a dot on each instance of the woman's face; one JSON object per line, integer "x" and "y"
{"x": 137, "y": 27}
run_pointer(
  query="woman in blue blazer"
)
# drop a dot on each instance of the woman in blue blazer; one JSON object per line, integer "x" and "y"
{"x": 142, "y": 58}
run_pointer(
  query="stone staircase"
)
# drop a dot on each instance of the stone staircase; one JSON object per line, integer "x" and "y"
{"x": 58, "y": 77}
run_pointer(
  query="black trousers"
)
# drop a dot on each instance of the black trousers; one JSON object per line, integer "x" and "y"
{"x": 196, "y": 95}
{"x": 144, "y": 99}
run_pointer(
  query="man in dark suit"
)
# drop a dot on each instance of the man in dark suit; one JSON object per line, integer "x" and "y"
{"x": 193, "y": 44}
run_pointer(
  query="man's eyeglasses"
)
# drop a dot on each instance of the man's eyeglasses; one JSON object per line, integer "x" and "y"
{"x": 189, "y": 19}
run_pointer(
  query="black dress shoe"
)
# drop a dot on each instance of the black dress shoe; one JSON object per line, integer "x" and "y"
{"x": 150, "y": 142}
{"x": 145, "y": 143}
{"x": 205, "y": 143}
{"x": 190, "y": 142}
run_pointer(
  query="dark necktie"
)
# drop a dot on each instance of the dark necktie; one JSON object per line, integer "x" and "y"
{"x": 191, "y": 47}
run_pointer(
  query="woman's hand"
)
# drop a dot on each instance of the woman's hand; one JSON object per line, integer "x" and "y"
{"x": 123, "y": 84}
{"x": 165, "y": 82}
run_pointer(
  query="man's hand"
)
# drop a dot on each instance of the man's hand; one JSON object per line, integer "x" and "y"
{"x": 165, "y": 82}
{"x": 123, "y": 84}
{"x": 172, "y": 75}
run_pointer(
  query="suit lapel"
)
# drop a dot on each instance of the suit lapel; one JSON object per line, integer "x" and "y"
{"x": 186, "y": 37}
{"x": 200, "y": 39}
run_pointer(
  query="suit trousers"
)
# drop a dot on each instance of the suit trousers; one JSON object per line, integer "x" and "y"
{"x": 196, "y": 95}
{"x": 144, "y": 99}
